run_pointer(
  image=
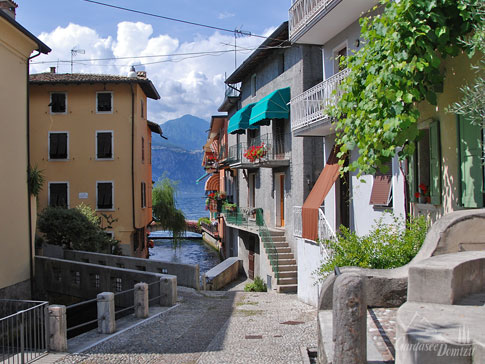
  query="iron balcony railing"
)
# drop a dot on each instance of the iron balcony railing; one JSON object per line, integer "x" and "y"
{"x": 24, "y": 331}
{"x": 303, "y": 11}
{"x": 253, "y": 219}
{"x": 311, "y": 106}
{"x": 275, "y": 147}
{"x": 325, "y": 231}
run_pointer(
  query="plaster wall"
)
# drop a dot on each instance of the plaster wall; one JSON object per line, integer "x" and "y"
{"x": 308, "y": 285}
{"x": 15, "y": 246}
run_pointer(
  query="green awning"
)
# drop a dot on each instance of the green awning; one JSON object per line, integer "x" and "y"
{"x": 273, "y": 106}
{"x": 201, "y": 178}
{"x": 239, "y": 122}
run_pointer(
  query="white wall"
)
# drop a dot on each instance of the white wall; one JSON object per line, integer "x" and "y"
{"x": 308, "y": 287}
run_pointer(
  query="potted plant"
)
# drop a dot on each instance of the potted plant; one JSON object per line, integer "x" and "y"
{"x": 423, "y": 194}
{"x": 255, "y": 153}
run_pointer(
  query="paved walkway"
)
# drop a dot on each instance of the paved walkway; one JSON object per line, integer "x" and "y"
{"x": 214, "y": 327}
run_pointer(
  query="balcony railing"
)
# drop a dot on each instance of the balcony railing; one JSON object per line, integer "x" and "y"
{"x": 325, "y": 231}
{"x": 311, "y": 106}
{"x": 276, "y": 150}
{"x": 302, "y": 12}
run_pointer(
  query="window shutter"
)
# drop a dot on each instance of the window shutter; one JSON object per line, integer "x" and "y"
{"x": 53, "y": 145}
{"x": 382, "y": 187}
{"x": 412, "y": 177}
{"x": 104, "y": 145}
{"x": 105, "y": 200}
{"x": 58, "y": 194}
{"x": 62, "y": 146}
{"x": 471, "y": 176}
{"x": 435, "y": 163}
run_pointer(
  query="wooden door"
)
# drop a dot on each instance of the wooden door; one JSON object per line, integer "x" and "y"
{"x": 251, "y": 265}
{"x": 282, "y": 200}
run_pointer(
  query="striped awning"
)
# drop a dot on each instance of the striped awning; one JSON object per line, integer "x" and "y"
{"x": 212, "y": 184}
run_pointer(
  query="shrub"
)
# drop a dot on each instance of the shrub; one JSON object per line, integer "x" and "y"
{"x": 35, "y": 181}
{"x": 204, "y": 220}
{"x": 387, "y": 245}
{"x": 257, "y": 286}
{"x": 72, "y": 229}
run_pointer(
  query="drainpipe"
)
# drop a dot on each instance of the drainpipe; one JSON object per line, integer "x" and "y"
{"x": 29, "y": 205}
{"x": 133, "y": 154}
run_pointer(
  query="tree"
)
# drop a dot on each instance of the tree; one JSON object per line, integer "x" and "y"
{"x": 165, "y": 210}
{"x": 76, "y": 228}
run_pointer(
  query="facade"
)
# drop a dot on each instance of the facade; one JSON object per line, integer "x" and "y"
{"x": 16, "y": 47}
{"x": 336, "y": 200}
{"x": 272, "y": 170}
{"x": 92, "y": 139}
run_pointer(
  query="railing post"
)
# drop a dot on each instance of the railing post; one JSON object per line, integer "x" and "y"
{"x": 22, "y": 338}
{"x": 349, "y": 320}
{"x": 106, "y": 313}
{"x": 168, "y": 290}
{"x": 141, "y": 300}
{"x": 57, "y": 328}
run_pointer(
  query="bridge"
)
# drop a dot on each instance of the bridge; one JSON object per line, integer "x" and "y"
{"x": 192, "y": 226}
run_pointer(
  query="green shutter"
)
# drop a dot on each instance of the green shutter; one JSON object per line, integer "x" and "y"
{"x": 435, "y": 163}
{"x": 412, "y": 177}
{"x": 471, "y": 164}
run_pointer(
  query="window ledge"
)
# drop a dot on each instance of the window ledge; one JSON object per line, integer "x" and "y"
{"x": 426, "y": 206}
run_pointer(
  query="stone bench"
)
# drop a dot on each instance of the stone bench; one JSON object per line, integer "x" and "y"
{"x": 222, "y": 274}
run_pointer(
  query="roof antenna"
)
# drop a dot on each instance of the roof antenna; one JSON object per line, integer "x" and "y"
{"x": 75, "y": 52}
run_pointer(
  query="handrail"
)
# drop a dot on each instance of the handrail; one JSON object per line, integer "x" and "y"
{"x": 302, "y": 11}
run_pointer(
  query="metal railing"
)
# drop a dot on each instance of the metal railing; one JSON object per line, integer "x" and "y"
{"x": 311, "y": 106}
{"x": 325, "y": 231}
{"x": 277, "y": 147}
{"x": 253, "y": 219}
{"x": 23, "y": 331}
{"x": 302, "y": 11}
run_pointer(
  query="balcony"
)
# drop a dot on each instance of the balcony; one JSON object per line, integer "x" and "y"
{"x": 325, "y": 231}
{"x": 275, "y": 152}
{"x": 309, "y": 110}
{"x": 309, "y": 23}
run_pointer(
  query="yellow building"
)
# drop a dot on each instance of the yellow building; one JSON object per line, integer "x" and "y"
{"x": 91, "y": 136}
{"x": 16, "y": 249}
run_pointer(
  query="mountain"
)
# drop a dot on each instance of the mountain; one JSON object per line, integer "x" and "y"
{"x": 180, "y": 157}
{"x": 188, "y": 132}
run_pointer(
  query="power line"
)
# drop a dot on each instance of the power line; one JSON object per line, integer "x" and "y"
{"x": 233, "y": 31}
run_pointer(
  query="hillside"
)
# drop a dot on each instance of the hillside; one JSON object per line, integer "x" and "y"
{"x": 179, "y": 158}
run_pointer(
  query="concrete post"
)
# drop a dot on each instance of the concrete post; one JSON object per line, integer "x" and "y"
{"x": 141, "y": 300}
{"x": 168, "y": 290}
{"x": 57, "y": 328}
{"x": 349, "y": 320}
{"x": 106, "y": 313}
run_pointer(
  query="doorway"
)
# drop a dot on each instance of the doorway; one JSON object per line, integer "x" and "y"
{"x": 280, "y": 199}
{"x": 252, "y": 190}
{"x": 344, "y": 198}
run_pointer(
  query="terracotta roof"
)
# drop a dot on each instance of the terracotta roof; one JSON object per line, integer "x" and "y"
{"x": 79, "y": 78}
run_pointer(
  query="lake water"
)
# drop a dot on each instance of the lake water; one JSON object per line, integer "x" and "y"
{"x": 192, "y": 204}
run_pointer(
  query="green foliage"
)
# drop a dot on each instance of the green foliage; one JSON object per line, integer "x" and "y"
{"x": 386, "y": 246}
{"x": 36, "y": 180}
{"x": 472, "y": 104}
{"x": 399, "y": 65}
{"x": 164, "y": 209}
{"x": 257, "y": 286}
{"x": 204, "y": 220}
{"x": 75, "y": 229}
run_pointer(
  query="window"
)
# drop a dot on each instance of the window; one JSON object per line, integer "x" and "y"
{"x": 104, "y": 196}
{"x": 58, "y": 145}
{"x": 471, "y": 170}
{"x": 139, "y": 237}
{"x": 281, "y": 64}
{"x": 253, "y": 85}
{"x": 142, "y": 109}
{"x": 58, "y": 194}
{"x": 104, "y": 145}
{"x": 104, "y": 102}
{"x": 142, "y": 149}
{"x": 338, "y": 53}
{"x": 381, "y": 194}
{"x": 143, "y": 195}
{"x": 150, "y": 152}
{"x": 424, "y": 167}
{"x": 58, "y": 104}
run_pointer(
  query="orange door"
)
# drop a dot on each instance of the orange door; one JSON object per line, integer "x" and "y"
{"x": 282, "y": 200}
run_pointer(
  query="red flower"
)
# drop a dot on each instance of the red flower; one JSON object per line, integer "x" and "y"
{"x": 417, "y": 195}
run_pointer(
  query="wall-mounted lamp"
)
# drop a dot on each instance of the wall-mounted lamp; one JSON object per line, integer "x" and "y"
{"x": 357, "y": 43}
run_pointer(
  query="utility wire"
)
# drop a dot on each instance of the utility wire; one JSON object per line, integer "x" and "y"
{"x": 233, "y": 31}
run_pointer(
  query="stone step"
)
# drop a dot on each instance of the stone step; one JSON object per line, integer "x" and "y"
{"x": 287, "y": 280}
{"x": 281, "y": 256}
{"x": 279, "y": 250}
{"x": 288, "y": 274}
{"x": 291, "y": 288}
{"x": 277, "y": 232}
{"x": 283, "y": 262}
{"x": 278, "y": 239}
{"x": 282, "y": 244}
{"x": 287, "y": 267}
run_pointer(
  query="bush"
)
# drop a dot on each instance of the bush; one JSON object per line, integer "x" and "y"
{"x": 72, "y": 229}
{"x": 257, "y": 286}
{"x": 385, "y": 246}
{"x": 204, "y": 220}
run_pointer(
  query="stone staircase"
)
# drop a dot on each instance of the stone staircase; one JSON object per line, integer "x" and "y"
{"x": 287, "y": 281}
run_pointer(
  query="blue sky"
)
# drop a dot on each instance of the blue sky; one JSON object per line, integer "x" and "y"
{"x": 187, "y": 85}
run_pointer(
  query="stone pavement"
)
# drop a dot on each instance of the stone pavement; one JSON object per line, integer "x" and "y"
{"x": 214, "y": 327}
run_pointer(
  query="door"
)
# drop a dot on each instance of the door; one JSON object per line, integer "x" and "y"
{"x": 251, "y": 258}
{"x": 252, "y": 190}
{"x": 282, "y": 200}
{"x": 344, "y": 199}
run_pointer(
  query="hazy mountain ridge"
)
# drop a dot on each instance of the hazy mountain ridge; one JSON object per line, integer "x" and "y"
{"x": 180, "y": 157}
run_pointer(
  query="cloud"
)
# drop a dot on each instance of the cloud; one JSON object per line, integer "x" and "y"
{"x": 225, "y": 15}
{"x": 188, "y": 84}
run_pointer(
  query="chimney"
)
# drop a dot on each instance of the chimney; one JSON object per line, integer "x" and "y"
{"x": 8, "y": 6}
{"x": 141, "y": 74}
{"x": 53, "y": 70}
{"x": 132, "y": 72}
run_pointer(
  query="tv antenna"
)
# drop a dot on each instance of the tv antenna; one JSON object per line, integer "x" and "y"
{"x": 237, "y": 34}
{"x": 75, "y": 52}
